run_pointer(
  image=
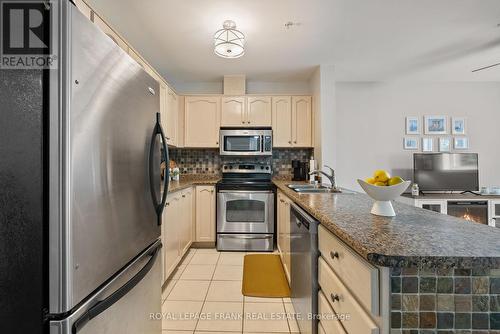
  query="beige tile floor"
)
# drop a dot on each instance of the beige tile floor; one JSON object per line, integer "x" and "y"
{"x": 204, "y": 296}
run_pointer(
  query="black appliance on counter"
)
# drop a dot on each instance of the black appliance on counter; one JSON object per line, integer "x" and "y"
{"x": 300, "y": 170}
{"x": 245, "y": 207}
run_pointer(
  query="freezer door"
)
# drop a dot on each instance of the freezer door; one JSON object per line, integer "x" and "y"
{"x": 107, "y": 188}
{"x": 132, "y": 298}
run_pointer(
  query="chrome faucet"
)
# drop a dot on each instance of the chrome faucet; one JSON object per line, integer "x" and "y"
{"x": 330, "y": 177}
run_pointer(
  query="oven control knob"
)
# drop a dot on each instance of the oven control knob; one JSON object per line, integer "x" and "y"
{"x": 267, "y": 167}
{"x": 261, "y": 167}
{"x": 225, "y": 167}
{"x": 230, "y": 167}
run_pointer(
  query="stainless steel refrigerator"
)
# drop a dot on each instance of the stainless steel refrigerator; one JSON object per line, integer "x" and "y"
{"x": 81, "y": 199}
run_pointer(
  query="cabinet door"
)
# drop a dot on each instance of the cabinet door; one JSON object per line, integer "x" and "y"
{"x": 205, "y": 213}
{"x": 259, "y": 111}
{"x": 202, "y": 121}
{"x": 286, "y": 237}
{"x": 233, "y": 111}
{"x": 439, "y": 206}
{"x": 282, "y": 121}
{"x": 171, "y": 219}
{"x": 110, "y": 32}
{"x": 84, "y": 8}
{"x": 186, "y": 221}
{"x": 163, "y": 107}
{"x": 301, "y": 121}
{"x": 172, "y": 112}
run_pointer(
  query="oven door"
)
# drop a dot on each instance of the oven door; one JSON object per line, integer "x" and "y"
{"x": 245, "y": 211}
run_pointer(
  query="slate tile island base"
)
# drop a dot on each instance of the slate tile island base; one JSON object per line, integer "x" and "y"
{"x": 444, "y": 300}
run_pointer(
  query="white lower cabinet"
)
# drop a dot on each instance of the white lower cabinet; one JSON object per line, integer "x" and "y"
{"x": 436, "y": 205}
{"x": 205, "y": 214}
{"x": 176, "y": 230}
{"x": 283, "y": 224}
{"x": 328, "y": 320}
{"x": 349, "y": 286}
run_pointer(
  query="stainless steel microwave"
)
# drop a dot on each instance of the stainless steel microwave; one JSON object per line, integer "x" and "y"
{"x": 246, "y": 142}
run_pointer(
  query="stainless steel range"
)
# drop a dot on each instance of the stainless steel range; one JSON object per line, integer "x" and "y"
{"x": 245, "y": 207}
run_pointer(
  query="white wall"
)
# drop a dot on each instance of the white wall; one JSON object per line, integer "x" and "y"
{"x": 370, "y": 125}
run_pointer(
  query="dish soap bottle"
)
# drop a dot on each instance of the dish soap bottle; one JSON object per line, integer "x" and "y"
{"x": 415, "y": 191}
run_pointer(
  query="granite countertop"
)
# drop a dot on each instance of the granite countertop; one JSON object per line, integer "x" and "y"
{"x": 458, "y": 197}
{"x": 187, "y": 181}
{"x": 415, "y": 237}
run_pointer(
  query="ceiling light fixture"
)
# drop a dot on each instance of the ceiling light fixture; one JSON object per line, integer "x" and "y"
{"x": 229, "y": 42}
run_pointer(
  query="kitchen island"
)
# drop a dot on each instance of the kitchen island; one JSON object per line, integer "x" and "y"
{"x": 418, "y": 272}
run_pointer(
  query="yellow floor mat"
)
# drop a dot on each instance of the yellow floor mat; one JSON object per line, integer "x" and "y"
{"x": 263, "y": 276}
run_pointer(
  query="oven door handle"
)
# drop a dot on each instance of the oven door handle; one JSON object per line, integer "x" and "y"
{"x": 247, "y": 237}
{"x": 245, "y": 191}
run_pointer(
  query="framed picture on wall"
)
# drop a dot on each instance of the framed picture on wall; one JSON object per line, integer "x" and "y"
{"x": 427, "y": 144}
{"x": 435, "y": 125}
{"x": 458, "y": 125}
{"x": 444, "y": 144}
{"x": 410, "y": 143}
{"x": 412, "y": 125}
{"x": 461, "y": 143}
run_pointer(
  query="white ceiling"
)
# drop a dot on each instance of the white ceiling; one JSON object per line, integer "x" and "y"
{"x": 366, "y": 40}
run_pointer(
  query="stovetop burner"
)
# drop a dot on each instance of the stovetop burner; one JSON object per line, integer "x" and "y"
{"x": 246, "y": 176}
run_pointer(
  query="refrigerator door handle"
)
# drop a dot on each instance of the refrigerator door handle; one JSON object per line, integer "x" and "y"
{"x": 159, "y": 207}
{"x": 104, "y": 304}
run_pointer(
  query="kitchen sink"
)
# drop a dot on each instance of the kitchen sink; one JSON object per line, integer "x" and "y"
{"x": 316, "y": 189}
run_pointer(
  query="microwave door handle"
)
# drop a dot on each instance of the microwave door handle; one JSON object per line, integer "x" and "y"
{"x": 262, "y": 143}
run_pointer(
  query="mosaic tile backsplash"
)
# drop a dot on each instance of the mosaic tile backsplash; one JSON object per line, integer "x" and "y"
{"x": 445, "y": 301}
{"x": 208, "y": 161}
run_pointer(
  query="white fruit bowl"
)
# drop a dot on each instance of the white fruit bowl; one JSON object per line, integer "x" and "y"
{"x": 383, "y": 196}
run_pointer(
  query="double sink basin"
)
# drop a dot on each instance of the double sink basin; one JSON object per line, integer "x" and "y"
{"x": 316, "y": 189}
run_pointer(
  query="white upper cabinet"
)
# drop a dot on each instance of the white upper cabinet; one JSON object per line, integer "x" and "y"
{"x": 301, "y": 121}
{"x": 254, "y": 111}
{"x": 259, "y": 111}
{"x": 201, "y": 121}
{"x": 233, "y": 111}
{"x": 292, "y": 121}
{"x": 282, "y": 121}
{"x": 172, "y": 105}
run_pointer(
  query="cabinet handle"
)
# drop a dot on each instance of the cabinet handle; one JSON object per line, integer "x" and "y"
{"x": 334, "y": 297}
{"x": 248, "y": 122}
{"x": 167, "y": 204}
{"x": 242, "y": 122}
{"x": 168, "y": 138}
{"x": 334, "y": 255}
{"x": 212, "y": 191}
{"x": 295, "y": 142}
{"x": 289, "y": 142}
{"x": 216, "y": 143}
{"x": 183, "y": 196}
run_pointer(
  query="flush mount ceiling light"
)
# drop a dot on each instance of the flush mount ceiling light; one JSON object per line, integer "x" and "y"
{"x": 229, "y": 42}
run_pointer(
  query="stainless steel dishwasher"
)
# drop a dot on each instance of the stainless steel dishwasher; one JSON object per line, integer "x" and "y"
{"x": 304, "y": 268}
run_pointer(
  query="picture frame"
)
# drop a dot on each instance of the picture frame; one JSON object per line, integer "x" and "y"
{"x": 436, "y": 125}
{"x": 427, "y": 144}
{"x": 458, "y": 125}
{"x": 444, "y": 144}
{"x": 412, "y": 125}
{"x": 410, "y": 143}
{"x": 461, "y": 143}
